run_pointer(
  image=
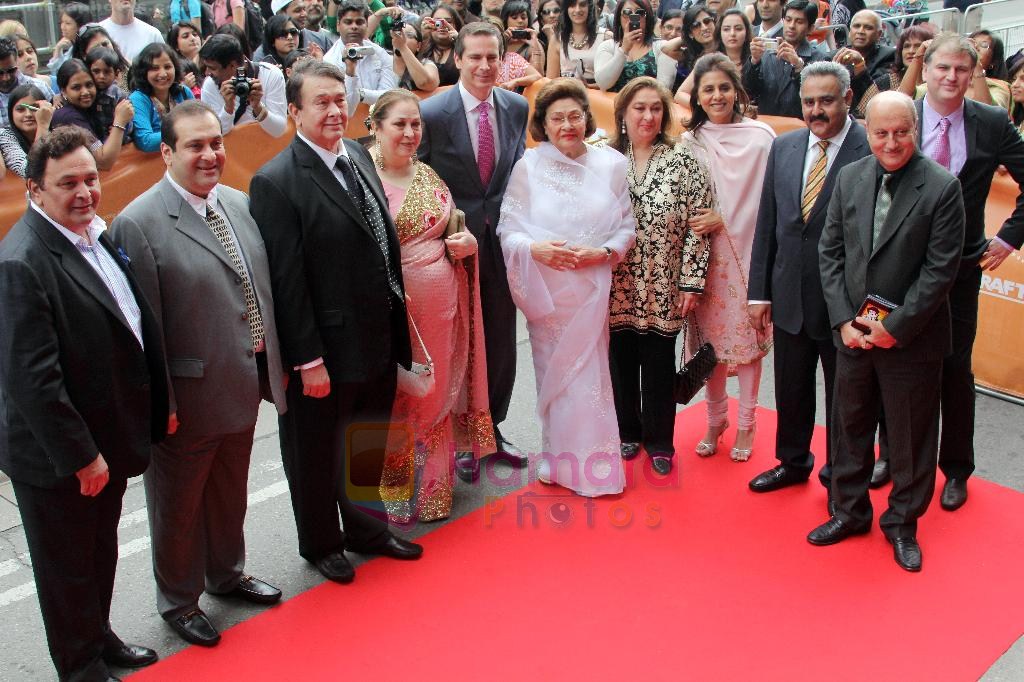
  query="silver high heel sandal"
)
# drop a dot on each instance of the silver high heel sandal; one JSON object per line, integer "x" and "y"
{"x": 706, "y": 449}
{"x": 743, "y": 454}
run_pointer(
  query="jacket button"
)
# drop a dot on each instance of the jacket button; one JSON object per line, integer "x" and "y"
{"x": 245, "y": 316}
{"x": 238, "y": 280}
{"x": 144, "y": 387}
{"x": 250, "y": 352}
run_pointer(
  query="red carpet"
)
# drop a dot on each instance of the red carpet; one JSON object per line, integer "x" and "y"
{"x": 723, "y": 587}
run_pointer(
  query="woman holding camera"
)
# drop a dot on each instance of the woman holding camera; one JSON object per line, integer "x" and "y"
{"x": 414, "y": 73}
{"x": 440, "y": 30}
{"x": 633, "y": 51}
{"x": 445, "y": 412}
{"x": 566, "y": 220}
{"x": 520, "y": 35}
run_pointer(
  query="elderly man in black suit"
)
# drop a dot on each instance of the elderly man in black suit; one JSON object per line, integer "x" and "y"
{"x": 83, "y": 385}
{"x": 865, "y": 57}
{"x": 336, "y": 277}
{"x": 971, "y": 140}
{"x": 785, "y": 283}
{"x": 895, "y": 230}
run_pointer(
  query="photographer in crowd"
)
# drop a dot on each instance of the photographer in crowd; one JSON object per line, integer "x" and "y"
{"x": 369, "y": 69}
{"x": 241, "y": 91}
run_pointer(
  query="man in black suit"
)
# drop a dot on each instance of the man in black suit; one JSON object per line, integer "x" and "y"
{"x": 451, "y": 146}
{"x": 866, "y": 59}
{"x": 785, "y": 283}
{"x": 83, "y": 389}
{"x": 336, "y": 276}
{"x": 894, "y": 230}
{"x": 980, "y": 139}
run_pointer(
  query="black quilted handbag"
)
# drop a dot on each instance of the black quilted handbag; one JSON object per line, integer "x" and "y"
{"x": 693, "y": 373}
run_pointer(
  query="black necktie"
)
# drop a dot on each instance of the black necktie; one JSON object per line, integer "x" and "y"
{"x": 355, "y": 188}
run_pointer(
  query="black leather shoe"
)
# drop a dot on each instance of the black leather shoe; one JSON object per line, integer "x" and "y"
{"x": 121, "y": 655}
{"x": 509, "y": 453}
{"x": 394, "y": 547}
{"x": 629, "y": 450}
{"x": 954, "y": 494}
{"x": 833, "y": 531}
{"x": 661, "y": 464}
{"x": 195, "y": 628}
{"x": 254, "y": 590}
{"x": 467, "y": 467}
{"x": 113, "y": 679}
{"x": 880, "y": 474}
{"x": 907, "y": 553}
{"x": 778, "y": 477}
{"x": 335, "y": 567}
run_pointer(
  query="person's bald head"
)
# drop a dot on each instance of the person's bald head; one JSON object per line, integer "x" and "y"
{"x": 892, "y": 129}
{"x": 865, "y": 29}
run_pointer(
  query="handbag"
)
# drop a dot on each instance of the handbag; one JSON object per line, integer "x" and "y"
{"x": 418, "y": 380}
{"x": 456, "y": 224}
{"x": 694, "y": 373}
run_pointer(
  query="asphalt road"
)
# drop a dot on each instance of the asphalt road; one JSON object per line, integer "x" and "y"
{"x": 270, "y": 534}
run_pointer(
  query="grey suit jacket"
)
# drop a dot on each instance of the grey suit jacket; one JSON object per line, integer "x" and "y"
{"x": 197, "y": 296}
{"x": 446, "y": 147}
{"x": 913, "y": 263}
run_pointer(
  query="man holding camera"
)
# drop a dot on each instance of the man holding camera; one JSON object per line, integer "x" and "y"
{"x": 369, "y": 69}
{"x": 240, "y": 91}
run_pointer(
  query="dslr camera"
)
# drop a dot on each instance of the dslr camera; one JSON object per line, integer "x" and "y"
{"x": 242, "y": 83}
{"x": 358, "y": 52}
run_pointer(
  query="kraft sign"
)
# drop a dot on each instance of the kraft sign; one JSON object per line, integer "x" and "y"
{"x": 1002, "y": 287}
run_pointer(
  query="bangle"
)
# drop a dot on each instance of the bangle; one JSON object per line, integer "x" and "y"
{"x": 123, "y": 129}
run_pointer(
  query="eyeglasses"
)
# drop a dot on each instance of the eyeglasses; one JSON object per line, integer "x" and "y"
{"x": 634, "y": 13}
{"x": 9, "y": 72}
{"x": 550, "y": 12}
{"x": 706, "y": 21}
{"x": 574, "y": 117}
{"x": 289, "y": 33}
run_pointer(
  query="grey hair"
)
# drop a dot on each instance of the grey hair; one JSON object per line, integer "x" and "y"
{"x": 827, "y": 68}
{"x": 892, "y": 97}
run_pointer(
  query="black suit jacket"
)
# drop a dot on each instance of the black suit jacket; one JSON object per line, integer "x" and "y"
{"x": 913, "y": 263}
{"x": 74, "y": 381}
{"x": 330, "y": 286}
{"x": 877, "y": 63}
{"x": 992, "y": 141}
{"x": 784, "y": 256}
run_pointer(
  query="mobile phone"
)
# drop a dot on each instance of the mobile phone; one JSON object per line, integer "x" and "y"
{"x": 520, "y": 34}
{"x": 634, "y": 23}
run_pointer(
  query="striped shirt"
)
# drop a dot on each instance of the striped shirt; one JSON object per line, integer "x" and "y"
{"x": 106, "y": 267}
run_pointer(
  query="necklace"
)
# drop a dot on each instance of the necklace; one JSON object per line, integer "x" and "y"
{"x": 579, "y": 44}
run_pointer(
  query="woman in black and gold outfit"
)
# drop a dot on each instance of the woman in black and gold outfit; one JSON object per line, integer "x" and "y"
{"x": 661, "y": 278}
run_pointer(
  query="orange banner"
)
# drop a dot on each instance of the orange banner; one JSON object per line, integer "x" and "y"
{"x": 997, "y": 362}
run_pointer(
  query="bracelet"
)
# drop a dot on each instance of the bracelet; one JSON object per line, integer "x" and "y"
{"x": 607, "y": 253}
{"x": 123, "y": 129}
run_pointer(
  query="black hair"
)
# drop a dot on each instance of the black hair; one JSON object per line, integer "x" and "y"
{"x": 175, "y": 32}
{"x": 694, "y": 50}
{"x": 17, "y": 94}
{"x": 809, "y": 9}
{"x": 69, "y": 69}
{"x": 310, "y": 69}
{"x": 514, "y": 7}
{"x": 85, "y": 37}
{"x": 144, "y": 62}
{"x": 565, "y": 23}
{"x": 645, "y": 5}
{"x": 238, "y": 34}
{"x": 275, "y": 29}
{"x": 187, "y": 109}
{"x": 997, "y": 69}
{"x": 105, "y": 55}
{"x": 56, "y": 144}
{"x": 8, "y": 48}
{"x": 734, "y": 12}
{"x": 223, "y": 49}
{"x": 346, "y": 6}
{"x": 79, "y": 12}
{"x": 429, "y": 46}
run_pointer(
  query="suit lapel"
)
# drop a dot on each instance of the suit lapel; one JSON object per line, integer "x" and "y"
{"x": 369, "y": 175}
{"x": 970, "y": 131}
{"x": 863, "y": 204}
{"x": 507, "y": 150}
{"x": 906, "y": 197}
{"x": 326, "y": 182}
{"x": 798, "y": 156}
{"x": 458, "y": 131}
{"x": 191, "y": 224}
{"x": 850, "y": 151}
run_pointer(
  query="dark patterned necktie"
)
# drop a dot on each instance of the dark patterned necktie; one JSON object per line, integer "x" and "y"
{"x": 220, "y": 230}
{"x": 370, "y": 209}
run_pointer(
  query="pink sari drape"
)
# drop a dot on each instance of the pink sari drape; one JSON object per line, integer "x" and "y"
{"x": 444, "y": 302}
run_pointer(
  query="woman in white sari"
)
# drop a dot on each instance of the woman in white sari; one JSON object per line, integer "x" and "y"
{"x": 566, "y": 220}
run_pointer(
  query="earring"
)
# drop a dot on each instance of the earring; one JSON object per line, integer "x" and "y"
{"x": 623, "y": 127}
{"x": 378, "y": 158}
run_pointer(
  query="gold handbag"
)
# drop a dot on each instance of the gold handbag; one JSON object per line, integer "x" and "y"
{"x": 456, "y": 223}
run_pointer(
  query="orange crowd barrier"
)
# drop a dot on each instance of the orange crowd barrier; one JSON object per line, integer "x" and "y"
{"x": 997, "y": 363}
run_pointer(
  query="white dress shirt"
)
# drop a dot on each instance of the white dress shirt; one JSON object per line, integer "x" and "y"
{"x": 471, "y": 106}
{"x": 274, "y": 102}
{"x": 831, "y": 152}
{"x": 105, "y": 266}
{"x": 375, "y": 74}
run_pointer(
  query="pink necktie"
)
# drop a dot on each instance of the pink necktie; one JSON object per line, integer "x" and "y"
{"x": 485, "y": 145}
{"x": 941, "y": 152}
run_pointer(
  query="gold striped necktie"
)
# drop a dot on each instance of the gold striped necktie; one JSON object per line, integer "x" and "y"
{"x": 815, "y": 179}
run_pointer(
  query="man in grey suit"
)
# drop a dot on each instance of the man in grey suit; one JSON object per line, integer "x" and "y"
{"x": 200, "y": 261}
{"x": 895, "y": 230}
{"x": 472, "y": 136}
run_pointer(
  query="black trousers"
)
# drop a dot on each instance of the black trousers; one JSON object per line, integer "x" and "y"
{"x": 796, "y": 362}
{"x": 73, "y": 543}
{"x": 332, "y": 449}
{"x": 956, "y": 445}
{"x": 908, "y": 391}
{"x": 643, "y": 371}
{"x": 499, "y": 317}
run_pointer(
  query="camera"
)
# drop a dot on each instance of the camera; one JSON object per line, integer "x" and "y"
{"x": 358, "y": 52}
{"x": 771, "y": 44}
{"x": 241, "y": 83}
{"x": 398, "y": 25}
{"x": 520, "y": 34}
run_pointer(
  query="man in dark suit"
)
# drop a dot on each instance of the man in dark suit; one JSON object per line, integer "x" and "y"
{"x": 200, "y": 260}
{"x": 785, "y": 283}
{"x": 894, "y": 230}
{"x": 971, "y": 140}
{"x": 865, "y": 57}
{"x": 454, "y": 125}
{"x": 82, "y": 385}
{"x": 336, "y": 275}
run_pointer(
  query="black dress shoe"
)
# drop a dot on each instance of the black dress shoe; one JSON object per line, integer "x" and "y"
{"x": 629, "y": 450}
{"x": 880, "y": 474}
{"x": 467, "y": 467}
{"x": 394, "y": 547}
{"x": 509, "y": 453}
{"x": 954, "y": 494}
{"x": 121, "y": 655}
{"x": 662, "y": 464}
{"x": 778, "y": 477}
{"x": 335, "y": 567}
{"x": 907, "y": 553}
{"x": 254, "y": 590}
{"x": 833, "y": 531}
{"x": 195, "y": 628}
{"x": 113, "y": 679}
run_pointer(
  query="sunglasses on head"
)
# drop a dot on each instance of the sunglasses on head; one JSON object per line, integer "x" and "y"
{"x": 634, "y": 13}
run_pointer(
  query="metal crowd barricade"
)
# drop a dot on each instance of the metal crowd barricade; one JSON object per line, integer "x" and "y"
{"x": 943, "y": 19}
{"x": 41, "y": 20}
{"x": 1004, "y": 18}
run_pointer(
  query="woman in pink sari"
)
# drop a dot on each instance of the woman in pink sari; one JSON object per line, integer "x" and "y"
{"x": 735, "y": 149}
{"x": 436, "y": 415}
